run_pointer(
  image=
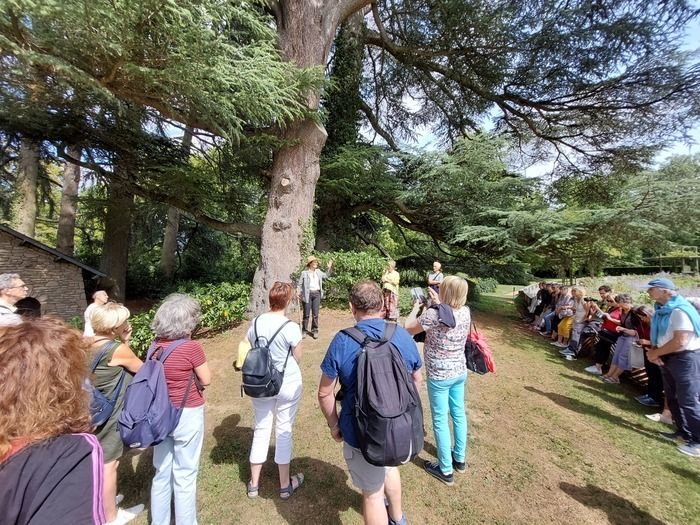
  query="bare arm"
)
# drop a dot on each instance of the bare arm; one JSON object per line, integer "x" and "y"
{"x": 326, "y": 401}
{"x": 417, "y": 377}
{"x": 677, "y": 343}
{"x": 125, "y": 357}
{"x": 412, "y": 325}
{"x": 203, "y": 374}
{"x": 297, "y": 352}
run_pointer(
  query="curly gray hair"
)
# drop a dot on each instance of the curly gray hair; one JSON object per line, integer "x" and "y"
{"x": 177, "y": 317}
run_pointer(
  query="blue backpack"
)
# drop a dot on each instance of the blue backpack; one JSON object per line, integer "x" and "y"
{"x": 149, "y": 416}
{"x": 101, "y": 407}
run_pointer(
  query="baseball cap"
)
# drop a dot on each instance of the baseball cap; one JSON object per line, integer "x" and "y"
{"x": 660, "y": 283}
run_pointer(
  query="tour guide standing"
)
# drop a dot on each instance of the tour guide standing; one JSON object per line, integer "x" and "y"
{"x": 310, "y": 291}
{"x": 340, "y": 362}
{"x": 675, "y": 336}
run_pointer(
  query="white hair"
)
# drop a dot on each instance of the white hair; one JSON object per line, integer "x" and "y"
{"x": 177, "y": 317}
{"x": 7, "y": 280}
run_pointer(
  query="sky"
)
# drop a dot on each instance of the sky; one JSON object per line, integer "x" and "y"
{"x": 426, "y": 140}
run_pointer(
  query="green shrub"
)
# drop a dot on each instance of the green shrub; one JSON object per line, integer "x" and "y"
{"x": 348, "y": 269}
{"x": 223, "y": 306}
{"x": 486, "y": 285}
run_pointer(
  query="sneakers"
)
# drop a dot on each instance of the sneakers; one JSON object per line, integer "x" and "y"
{"x": 459, "y": 466}
{"x": 611, "y": 380}
{"x": 126, "y": 515}
{"x": 434, "y": 470}
{"x": 119, "y": 498}
{"x": 566, "y": 352}
{"x": 571, "y": 357}
{"x": 660, "y": 418}
{"x": 545, "y": 334}
{"x": 671, "y": 436}
{"x": 647, "y": 401}
{"x": 594, "y": 370}
{"x": 402, "y": 521}
{"x": 691, "y": 449}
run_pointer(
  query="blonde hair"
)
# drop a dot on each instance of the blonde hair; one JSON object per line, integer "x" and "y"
{"x": 106, "y": 317}
{"x": 453, "y": 291}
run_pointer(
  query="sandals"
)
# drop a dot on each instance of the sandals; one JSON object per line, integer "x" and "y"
{"x": 251, "y": 490}
{"x": 287, "y": 491}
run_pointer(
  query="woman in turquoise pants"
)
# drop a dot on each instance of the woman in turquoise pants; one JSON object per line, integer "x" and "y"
{"x": 446, "y": 324}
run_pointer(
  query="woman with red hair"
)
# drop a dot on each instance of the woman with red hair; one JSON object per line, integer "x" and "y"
{"x": 283, "y": 338}
{"x": 50, "y": 464}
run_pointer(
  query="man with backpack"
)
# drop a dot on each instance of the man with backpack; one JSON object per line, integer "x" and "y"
{"x": 351, "y": 428}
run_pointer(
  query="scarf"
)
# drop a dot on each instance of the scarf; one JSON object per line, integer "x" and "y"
{"x": 445, "y": 315}
{"x": 662, "y": 317}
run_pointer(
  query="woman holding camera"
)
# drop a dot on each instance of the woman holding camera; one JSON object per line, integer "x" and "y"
{"x": 115, "y": 365}
{"x": 446, "y": 324}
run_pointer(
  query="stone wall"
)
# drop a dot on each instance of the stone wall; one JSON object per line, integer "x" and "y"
{"x": 57, "y": 284}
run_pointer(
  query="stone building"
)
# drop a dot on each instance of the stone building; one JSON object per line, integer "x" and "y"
{"x": 57, "y": 280}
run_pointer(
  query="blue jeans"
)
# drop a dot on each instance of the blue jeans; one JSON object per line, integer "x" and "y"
{"x": 447, "y": 398}
{"x": 176, "y": 461}
{"x": 548, "y": 321}
{"x": 681, "y": 375}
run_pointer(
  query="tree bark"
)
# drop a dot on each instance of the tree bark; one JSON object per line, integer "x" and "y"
{"x": 69, "y": 200}
{"x": 25, "y": 205}
{"x": 168, "y": 252}
{"x": 306, "y": 29}
{"x": 115, "y": 254}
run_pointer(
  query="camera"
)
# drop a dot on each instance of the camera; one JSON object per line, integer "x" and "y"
{"x": 417, "y": 294}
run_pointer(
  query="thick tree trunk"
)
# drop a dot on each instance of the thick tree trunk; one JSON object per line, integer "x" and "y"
{"x": 115, "y": 255}
{"x": 306, "y": 29}
{"x": 25, "y": 205}
{"x": 168, "y": 252}
{"x": 69, "y": 200}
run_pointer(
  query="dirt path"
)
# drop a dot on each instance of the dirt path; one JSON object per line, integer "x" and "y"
{"x": 547, "y": 444}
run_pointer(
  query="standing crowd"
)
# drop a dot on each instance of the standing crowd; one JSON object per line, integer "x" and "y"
{"x": 66, "y": 402}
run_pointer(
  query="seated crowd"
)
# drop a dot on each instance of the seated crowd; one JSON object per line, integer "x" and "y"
{"x": 620, "y": 337}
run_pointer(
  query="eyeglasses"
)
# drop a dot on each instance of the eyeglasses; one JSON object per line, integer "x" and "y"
{"x": 19, "y": 286}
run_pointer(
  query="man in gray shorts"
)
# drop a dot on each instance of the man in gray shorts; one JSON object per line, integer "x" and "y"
{"x": 340, "y": 363}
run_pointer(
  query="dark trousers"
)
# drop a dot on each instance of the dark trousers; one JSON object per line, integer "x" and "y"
{"x": 655, "y": 383}
{"x": 311, "y": 308}
{"x": 602, "y": 350}
{"x": 681, "y": 375}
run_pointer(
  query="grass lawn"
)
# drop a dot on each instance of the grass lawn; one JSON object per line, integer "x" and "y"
{"x": 547, "y": 444}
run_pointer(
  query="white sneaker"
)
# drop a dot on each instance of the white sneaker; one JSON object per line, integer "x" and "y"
{"x": 690, "y": 449}
{"x": 659, "y": 418}
{"x": 570, "y": 357}
{"x": 594, "y": 370}
{"x": 119, "y": 499}
{"x": 126, "y": 515}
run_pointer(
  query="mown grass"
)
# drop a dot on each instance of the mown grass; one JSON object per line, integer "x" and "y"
{"x": 547, "y": 444}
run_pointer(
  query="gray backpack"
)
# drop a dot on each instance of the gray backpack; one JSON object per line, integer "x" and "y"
{"x": 388, "y": 412}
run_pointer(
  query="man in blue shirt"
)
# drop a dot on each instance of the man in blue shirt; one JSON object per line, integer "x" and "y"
{"x": 340, "y": 362}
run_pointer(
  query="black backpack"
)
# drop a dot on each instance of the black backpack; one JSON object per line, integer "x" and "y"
{"x": 388, "y": 412}
{"x": 260, "y": 376}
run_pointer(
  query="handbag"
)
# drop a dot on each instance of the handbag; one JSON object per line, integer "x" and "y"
{"x": 477, "y": 353}
{"x": 636, "y": 359}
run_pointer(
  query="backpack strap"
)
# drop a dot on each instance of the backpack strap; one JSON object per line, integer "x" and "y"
{"x": 96, "y": 362}
{"x": 99, "y": 356}
{"x": 164, "y": 354}
{"x": 269, "y": 341}
{"x": 360, "y": 337}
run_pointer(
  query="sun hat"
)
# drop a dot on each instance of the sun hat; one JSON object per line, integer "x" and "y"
{"x": 311, "y": 259}
{"x": 660, "y": 283}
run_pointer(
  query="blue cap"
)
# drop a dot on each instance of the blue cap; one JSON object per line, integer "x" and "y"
{"x": 660, "y": 283}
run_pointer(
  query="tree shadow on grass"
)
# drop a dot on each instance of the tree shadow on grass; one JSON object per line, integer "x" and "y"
{"x": 232, "y": 444}
{"x": 134, "y": 477}
{"x": 323, "y": 497}
{"x": 590, "y": 410}
{"x": 689, "y": 474}
{"x": 619, "y": 510}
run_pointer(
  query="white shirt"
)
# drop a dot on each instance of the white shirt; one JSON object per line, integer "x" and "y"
{"x": 680, "y": 322}
{"x": 314, "y": 281}
{"x": 289, "y": 337}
